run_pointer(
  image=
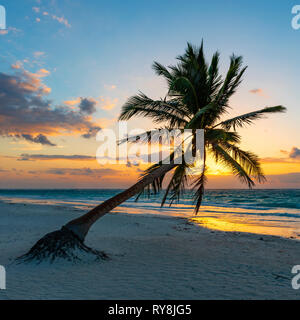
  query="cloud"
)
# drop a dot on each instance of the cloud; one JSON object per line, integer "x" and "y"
{"x": 275, "y": 160}
{"x": 37, "y": 139}
{"x": 38, "y": 54}
{"x": 259, "y": 92}
{"x": 287, "y": 179}
{"x": 40, "y": 73}
{"x": 91, "y": 133}
{"x": 17, "y": 65}
{"x": 284, "y": 151}
{"x": 108, "y": 104}
{"x": 25, "y": 111}
{"x": 10, "y": 30}
{"x": 110, "y": 87}
{"x": 87, "y": 105}
{"x": 30, "y": 157}
{"x": 61, "y": 20}
{"x": 82, "y": 172}
{"x": 72, "y": 102}
{"x": 295, "y": 153}
{"x": 293, "y": 157}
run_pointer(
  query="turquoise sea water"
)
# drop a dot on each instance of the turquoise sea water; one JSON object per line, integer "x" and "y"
{"x": 275, "y": 212}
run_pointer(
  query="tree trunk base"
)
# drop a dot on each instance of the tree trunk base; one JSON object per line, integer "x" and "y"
{"x": 60, "y": 244}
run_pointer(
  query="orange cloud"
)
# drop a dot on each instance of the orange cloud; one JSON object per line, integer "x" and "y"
{"x": 34, "y": 82}
{"x": 47, "y": 157}
{"x": 17, "y": 65}
{"x": 276, "y": 160}
{"x": 41, "y": 73}
{"x": 108, "y": 104}
{"x": 110, "y": 87}
{"x": 259, "y": 92}
{"x": 72, "y": 102}
{"x": 293, "y": 157}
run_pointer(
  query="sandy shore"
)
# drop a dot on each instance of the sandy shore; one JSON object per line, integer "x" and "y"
{"x": 152, "y": 257}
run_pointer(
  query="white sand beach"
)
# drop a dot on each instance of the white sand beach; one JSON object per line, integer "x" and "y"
{"x": 151, "y": 257}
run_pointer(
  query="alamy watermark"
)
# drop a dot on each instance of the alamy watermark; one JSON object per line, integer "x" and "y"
{"x": 296, "y": 19}
{"x": 2, "y": 18}
{"x": 296, "y": 278}
{"x": 140, "y": 146}
{"x": 2, "y": 278}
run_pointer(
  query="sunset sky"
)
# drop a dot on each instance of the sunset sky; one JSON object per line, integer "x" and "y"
{"x": 76, "y": 62}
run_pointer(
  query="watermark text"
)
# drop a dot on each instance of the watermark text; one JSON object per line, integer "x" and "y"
{"x": 2, "y": 278}
{"x": 296, "y": 19}
{"x": 2, "y": 18}
{"x": 296, "y": 278}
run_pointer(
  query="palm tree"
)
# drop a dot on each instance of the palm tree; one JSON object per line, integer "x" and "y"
{"x": 197, "y": 98}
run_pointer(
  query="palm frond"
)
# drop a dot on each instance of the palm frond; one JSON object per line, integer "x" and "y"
{"x": 193, "y": 66}
{"x": 248, "y": 161}
{"x": 159, "y": 111}
{"x": 183, "y": 87}
{"x": 232, "y": 80}
{"x": 198, "y": 188}
{"x": 160, "y": 70}
{"x": 225, "y": 158}
{"x": 156, "y": 185}
{"x": 214, "y": 79}
{"x": 177, "y": 184}
{"x": 221, "y": 135}
{"x": 247, "y": 118}
{"x": 230, "y": 84}
{"x": 195, "y": 122}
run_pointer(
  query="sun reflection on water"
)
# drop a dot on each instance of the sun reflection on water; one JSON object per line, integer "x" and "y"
{"x": 267, "y": 225}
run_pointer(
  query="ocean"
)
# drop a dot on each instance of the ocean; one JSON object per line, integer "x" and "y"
{"x": 272, "y": 212}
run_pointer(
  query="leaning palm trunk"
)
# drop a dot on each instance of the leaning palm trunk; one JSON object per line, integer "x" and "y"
{"x": 81, "y": 225}
{"x": 68, "y": 243}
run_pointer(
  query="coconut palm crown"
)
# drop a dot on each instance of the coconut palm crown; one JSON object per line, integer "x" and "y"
{"x": 198, "y": 98}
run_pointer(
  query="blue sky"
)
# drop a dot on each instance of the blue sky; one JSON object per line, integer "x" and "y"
{"x": 110, "y": 40}
{"x": 104, "y": 50}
